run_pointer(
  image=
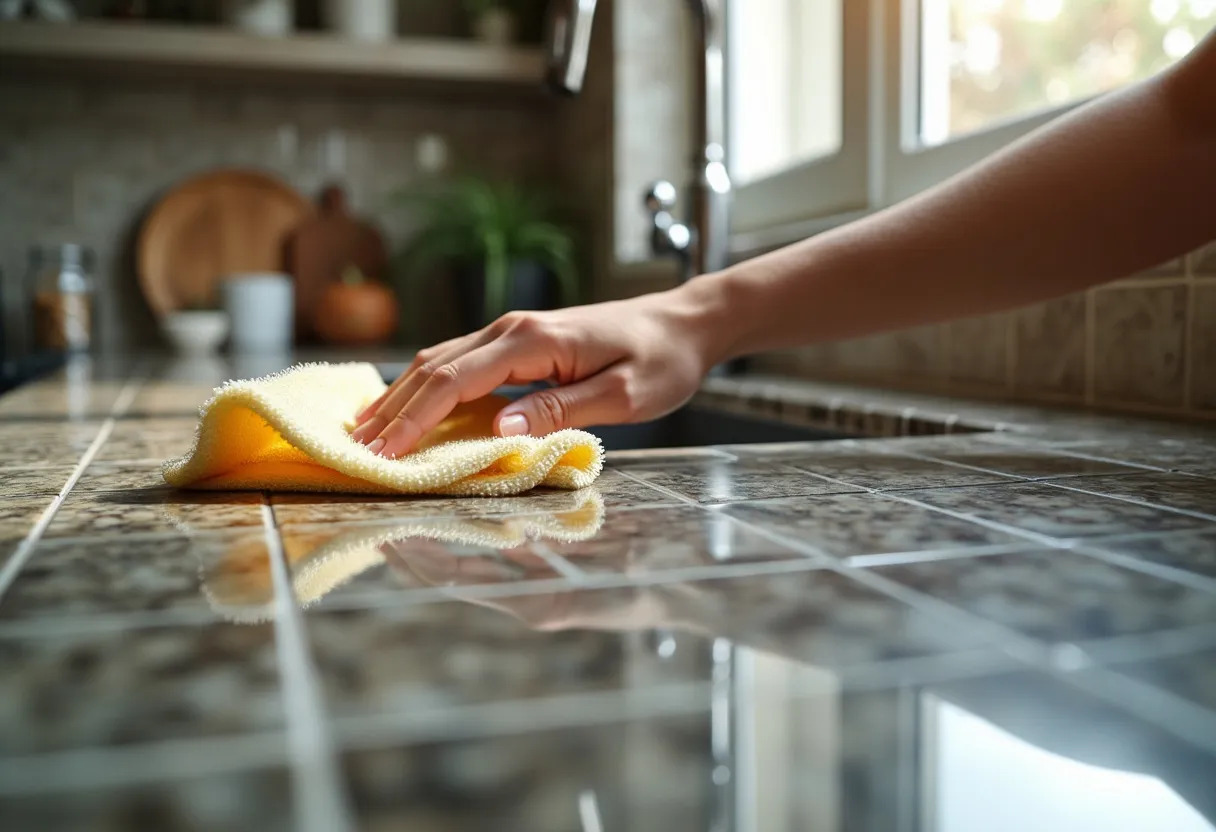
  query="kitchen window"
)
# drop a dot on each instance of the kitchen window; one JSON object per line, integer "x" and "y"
{"x": 838, "y": 107}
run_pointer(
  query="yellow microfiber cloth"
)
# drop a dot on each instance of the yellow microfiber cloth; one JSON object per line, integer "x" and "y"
{"x": 291, "y": 432}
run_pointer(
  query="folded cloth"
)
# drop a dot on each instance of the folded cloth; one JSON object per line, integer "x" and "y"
{"x": 291, "y": 432}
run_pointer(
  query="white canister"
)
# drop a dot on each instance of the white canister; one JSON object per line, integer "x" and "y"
{"x": 366, "y": 20}
{"x": 260, "y": 310}
{"x": 269, "y": 18}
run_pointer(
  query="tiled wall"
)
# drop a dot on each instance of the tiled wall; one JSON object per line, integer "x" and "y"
{"x": 82, "y": 160}
{"x": 1145, "y": 344}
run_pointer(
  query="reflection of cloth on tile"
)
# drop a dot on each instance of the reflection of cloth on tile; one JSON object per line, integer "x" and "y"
{"x": 291, "y": 432}
{"x": 239, "y": 586}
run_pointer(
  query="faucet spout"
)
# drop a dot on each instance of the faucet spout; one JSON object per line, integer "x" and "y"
{"x": 702, "y": 243}
{"x": 569, "y": 25}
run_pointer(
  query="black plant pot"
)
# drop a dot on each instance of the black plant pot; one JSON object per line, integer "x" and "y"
{"x": 532, "y": 286}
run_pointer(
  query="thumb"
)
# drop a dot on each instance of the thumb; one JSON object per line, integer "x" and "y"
{"x": 600, "y": 400}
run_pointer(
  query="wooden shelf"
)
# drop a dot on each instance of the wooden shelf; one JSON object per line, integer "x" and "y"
{"x": 216, "y": 51}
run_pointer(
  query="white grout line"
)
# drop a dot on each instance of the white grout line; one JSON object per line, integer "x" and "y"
{"x": 115, "y": 767}
{"x": 1150, "y": 646}
{"x": 1162, "y": 571}
{"x": 1138, "y": 502}
{"x": 319, "y": 798}
{"x": 26, "y": 547}
{"x": 558, "y": 563}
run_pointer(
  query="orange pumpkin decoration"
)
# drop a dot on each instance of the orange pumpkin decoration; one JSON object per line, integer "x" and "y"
{"x": 356, "y": 312}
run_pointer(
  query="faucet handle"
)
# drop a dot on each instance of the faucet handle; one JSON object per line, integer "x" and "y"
{"x": 667, "y": 236}
{"x": 660, "y": 197}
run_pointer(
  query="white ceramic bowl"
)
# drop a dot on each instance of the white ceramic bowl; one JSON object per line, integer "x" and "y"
{"x": 196, "y": 333}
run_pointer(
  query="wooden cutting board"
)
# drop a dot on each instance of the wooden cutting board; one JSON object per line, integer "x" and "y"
{"x": 211, "y": 226}
{"x": 321, "y": 248}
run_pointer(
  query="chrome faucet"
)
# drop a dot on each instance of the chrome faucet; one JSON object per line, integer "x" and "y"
{"x": 701, "y": 242}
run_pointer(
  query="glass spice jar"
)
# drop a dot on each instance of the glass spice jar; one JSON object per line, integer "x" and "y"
{"x": 62, "y": 290}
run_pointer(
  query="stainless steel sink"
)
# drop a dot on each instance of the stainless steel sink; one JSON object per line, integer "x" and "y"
{"x": 698, "y": 426}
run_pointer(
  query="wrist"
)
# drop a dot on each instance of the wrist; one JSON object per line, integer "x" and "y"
{"x": 716, "y": 314}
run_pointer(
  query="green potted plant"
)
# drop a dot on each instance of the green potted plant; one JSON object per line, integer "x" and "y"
{"x": 506, "y": 250}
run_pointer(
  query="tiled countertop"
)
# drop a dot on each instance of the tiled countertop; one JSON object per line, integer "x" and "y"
{"x": 1008, "y": 625}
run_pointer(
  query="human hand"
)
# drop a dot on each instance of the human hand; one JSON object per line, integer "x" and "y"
{"x": 619, "y": 362}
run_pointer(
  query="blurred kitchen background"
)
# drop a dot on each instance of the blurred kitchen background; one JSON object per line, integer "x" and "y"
{"x": 381, "y": 153}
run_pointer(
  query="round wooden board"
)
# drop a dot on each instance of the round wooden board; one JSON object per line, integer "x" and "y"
{"x": 211, "y": 226}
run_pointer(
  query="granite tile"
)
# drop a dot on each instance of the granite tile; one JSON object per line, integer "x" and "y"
{"x": 854, "y": 525}
{"x": 18, "y": 515}
{"x": 648, "y": 540}
{"x": 143, "y": 685}
{"x": 441, "y": 656}
{"x": 869, "y": 468}
{"x": 979, "y": 351}
{"x": 83, "y": 577}
{"x": 247, "y": 801}
{"x": 640, "y": 774}
{"x": 1056, "y": 595}
{"x": 88, "y": 401}
{"x": 114, "y": 476}
{"x": 1056, "y": 512}
{"x": 37, "y": 445}
{"x": 1139, "y": 345}
{"x": 818, "y": 617}
{"x": 151, "y": 446}
{"x": 732, "y": 482}
{"x": 1050, "y": 348}
{"x": 1028, "y": 463}
{"x": 126, "y": 512}
{"x": 27, "y": 482}
{"x": 1193, "y": 552}
{"x": 1167, "y": 490}
{"x": 171, "y": 399}
{"x": 1195, "y": 455}
{"x": 1190, "y": 676}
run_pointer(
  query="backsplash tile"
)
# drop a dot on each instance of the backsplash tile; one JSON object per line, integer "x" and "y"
{"x": 1139, "y": 344}
{"x": 1049, "y": 342}
{"x": 1144, "y": 344}
{"x": 979, "y": 351}
{"x": 82, "y": 160}
{"x": 1203, "y": 346}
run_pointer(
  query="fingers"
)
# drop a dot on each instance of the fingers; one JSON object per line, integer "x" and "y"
{"x": 468, "y": 377}
{"x": 396, "y": 397}
{"x": 607, "y": 397}
{"x": 420, "y": 358}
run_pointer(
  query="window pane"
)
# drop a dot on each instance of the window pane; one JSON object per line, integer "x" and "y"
{"x": 785, "y": 81}
{"x": 985, "y": 61}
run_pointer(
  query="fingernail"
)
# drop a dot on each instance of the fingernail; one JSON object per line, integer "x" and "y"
{"x": 377, "y": 445}
{"x": 514, "y": 425}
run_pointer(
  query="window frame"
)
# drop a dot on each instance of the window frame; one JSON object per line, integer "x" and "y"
{"x": 882, "y": 160}
{"x": 829, "y": 184}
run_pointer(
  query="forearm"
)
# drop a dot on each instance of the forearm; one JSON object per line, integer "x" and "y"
{"x": 1113, "y": 188}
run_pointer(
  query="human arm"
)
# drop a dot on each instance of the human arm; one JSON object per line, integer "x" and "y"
{"x": 1114, "y": 187}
